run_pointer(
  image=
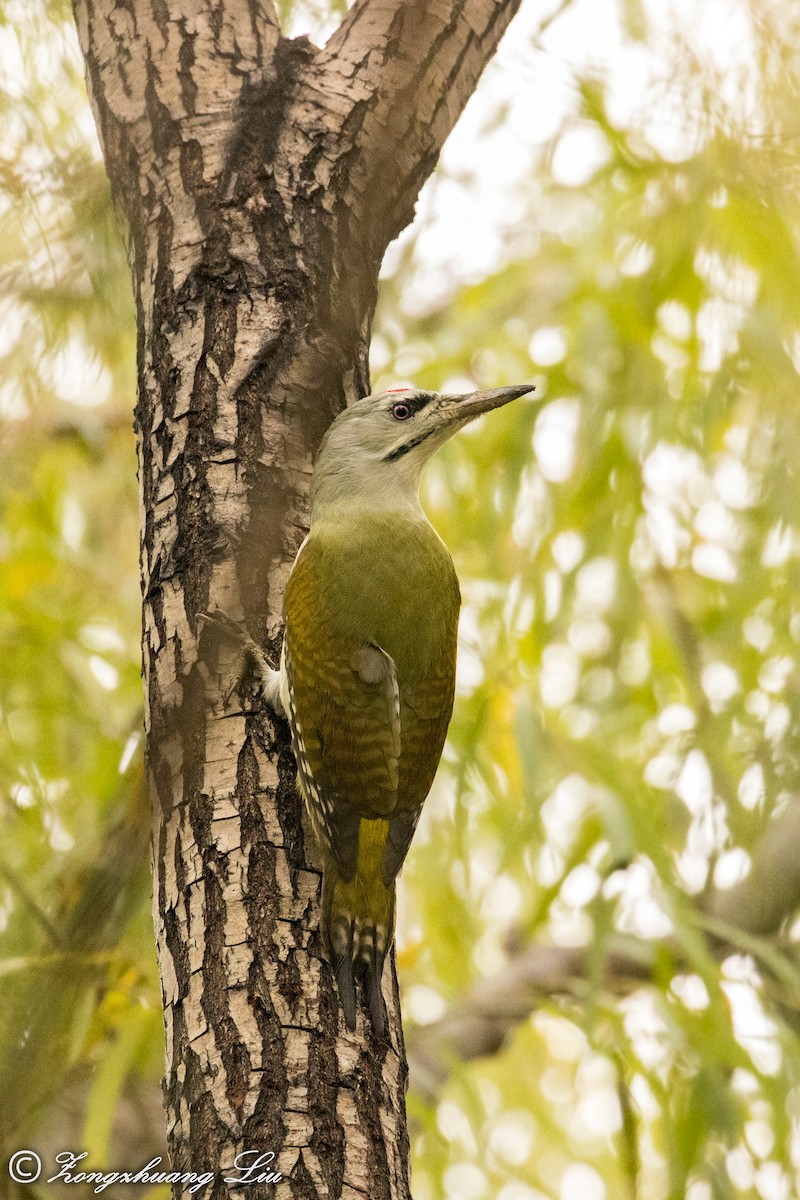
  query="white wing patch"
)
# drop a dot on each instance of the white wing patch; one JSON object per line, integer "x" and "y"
{"x": 371, "y": 663}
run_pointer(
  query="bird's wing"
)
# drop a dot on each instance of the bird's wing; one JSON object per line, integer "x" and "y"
{"x": 344, "y": 712}
{"x": 425, "y": 715}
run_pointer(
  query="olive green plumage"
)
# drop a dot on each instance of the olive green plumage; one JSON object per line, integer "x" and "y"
{"x": 369, "y": 659}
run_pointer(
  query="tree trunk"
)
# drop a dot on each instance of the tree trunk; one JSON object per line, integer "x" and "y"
{"x": 259, "y": 180}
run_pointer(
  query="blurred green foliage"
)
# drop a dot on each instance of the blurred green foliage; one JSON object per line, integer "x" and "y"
{"x": 627, "y": 721}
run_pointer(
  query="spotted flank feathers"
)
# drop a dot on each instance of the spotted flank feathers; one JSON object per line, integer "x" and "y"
{"x": 318, "y": 807}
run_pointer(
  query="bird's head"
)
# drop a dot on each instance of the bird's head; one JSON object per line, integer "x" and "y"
{"x": 376, "y": 450}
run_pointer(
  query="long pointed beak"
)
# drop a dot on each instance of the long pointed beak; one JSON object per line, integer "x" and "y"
{"x": 464, "y": 408}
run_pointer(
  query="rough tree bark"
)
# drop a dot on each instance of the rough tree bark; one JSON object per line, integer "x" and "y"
{"x": 259, "y": 180}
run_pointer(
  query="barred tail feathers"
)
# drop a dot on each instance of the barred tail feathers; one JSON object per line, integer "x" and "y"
{"x": 358, "y": 924}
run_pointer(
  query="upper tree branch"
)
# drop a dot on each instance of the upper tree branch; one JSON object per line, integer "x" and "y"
{"x": 361, "y": 124}
{"x": 409, "y": 67}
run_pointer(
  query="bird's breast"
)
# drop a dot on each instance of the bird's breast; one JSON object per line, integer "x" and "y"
{"x": 380, "y": 578}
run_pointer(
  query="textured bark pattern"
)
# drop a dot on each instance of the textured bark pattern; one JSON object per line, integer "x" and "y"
{"x": 259, "y": 180}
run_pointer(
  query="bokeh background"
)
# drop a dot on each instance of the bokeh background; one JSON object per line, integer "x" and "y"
{"x": 601, "y": 896}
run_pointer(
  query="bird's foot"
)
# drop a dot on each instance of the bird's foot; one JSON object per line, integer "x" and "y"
{"x": 269, "y": 676}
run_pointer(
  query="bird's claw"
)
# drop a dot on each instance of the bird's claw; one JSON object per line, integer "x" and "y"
{"x": 250, "y": 649}
{"x": 236, "y": 630}
{"x": 225, "y": 623}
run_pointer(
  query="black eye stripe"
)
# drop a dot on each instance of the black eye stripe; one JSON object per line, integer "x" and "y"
{"x": 415, "y": 401}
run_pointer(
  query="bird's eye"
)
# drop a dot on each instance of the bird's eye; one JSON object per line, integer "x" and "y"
{"x": 401, "y": 411}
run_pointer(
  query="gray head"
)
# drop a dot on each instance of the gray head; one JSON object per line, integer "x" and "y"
{"x": 374, "y": 453}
